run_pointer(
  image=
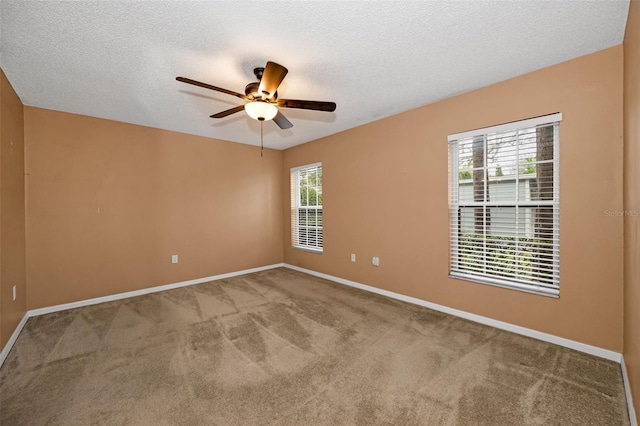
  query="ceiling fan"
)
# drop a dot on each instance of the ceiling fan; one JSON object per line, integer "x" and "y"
{"x": 261, "y": 97}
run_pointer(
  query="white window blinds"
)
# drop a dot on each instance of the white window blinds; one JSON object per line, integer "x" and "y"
{"x": 306, "y": 207}
{"x": 504, "y": 204}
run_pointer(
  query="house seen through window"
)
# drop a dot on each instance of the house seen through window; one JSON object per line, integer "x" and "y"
{"x": 505, "y": 197}
{"x": 306, "y": 207}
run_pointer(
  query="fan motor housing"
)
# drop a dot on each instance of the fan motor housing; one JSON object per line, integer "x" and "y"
{"x": 252, "y": 90}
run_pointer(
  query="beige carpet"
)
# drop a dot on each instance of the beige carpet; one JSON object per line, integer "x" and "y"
{"x": 281, "y": 347}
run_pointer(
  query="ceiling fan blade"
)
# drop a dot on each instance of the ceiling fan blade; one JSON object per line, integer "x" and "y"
{"x": 228, "y": 112}
{"x": 208, "y": 86}
{"x": 282, "y": 121}
{"x": 314, "y": 105}
{"x": 271, "y": 78}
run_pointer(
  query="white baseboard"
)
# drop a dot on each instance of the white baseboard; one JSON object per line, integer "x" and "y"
{"x": 627, "y": 391}
{"x": 550, "y": 338}
{"x": 41, "y": 311}
{"x": 13, "y": 338}
{"x": 126, "y": 295}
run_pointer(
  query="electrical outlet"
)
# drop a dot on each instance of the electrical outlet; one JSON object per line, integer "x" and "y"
{"x": 174, "y": 258}
{"x": 353, "y": 257}
{"x": 375, "y": 261}
{"x": 14, "y": 292}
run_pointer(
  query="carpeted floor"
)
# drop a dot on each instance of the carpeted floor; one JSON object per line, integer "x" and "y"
{"x": 285, "y": 348}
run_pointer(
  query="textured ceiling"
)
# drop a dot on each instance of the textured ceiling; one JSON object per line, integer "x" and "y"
{"x": 118, "y": 60}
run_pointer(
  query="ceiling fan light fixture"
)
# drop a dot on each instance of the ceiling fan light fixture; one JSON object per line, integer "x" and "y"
{"x": 260, "y": 110}
{"x": 261, "y": 97}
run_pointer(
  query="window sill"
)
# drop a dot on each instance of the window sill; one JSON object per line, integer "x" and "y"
{"x": 307, "y": 249}
{"x": 555, "y": 294}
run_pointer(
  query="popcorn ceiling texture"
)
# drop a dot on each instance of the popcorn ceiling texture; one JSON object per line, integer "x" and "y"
{"x": 284, "y": 348}
{"x": 118, "y": 60}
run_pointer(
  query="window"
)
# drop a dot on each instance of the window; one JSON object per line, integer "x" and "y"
{"x": 306, "y": 207}
{"x": 504, "y": 200}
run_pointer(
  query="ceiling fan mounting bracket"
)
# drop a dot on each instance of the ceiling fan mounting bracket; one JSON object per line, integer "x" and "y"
{"x": 258, "y": 72}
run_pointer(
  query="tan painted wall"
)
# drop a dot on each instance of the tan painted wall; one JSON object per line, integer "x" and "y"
{"x": 386, "y": 194}
{"x": 12, "y": 228}
{"x": 108, "y": 203}
{"x": 632, "y": 200}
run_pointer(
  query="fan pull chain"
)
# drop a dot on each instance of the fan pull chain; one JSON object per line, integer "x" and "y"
{"x": 261, "y": 137}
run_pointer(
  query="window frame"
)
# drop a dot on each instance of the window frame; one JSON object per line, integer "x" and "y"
{"x": 296, "y": 207}
{"x": 552, "y": 290}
